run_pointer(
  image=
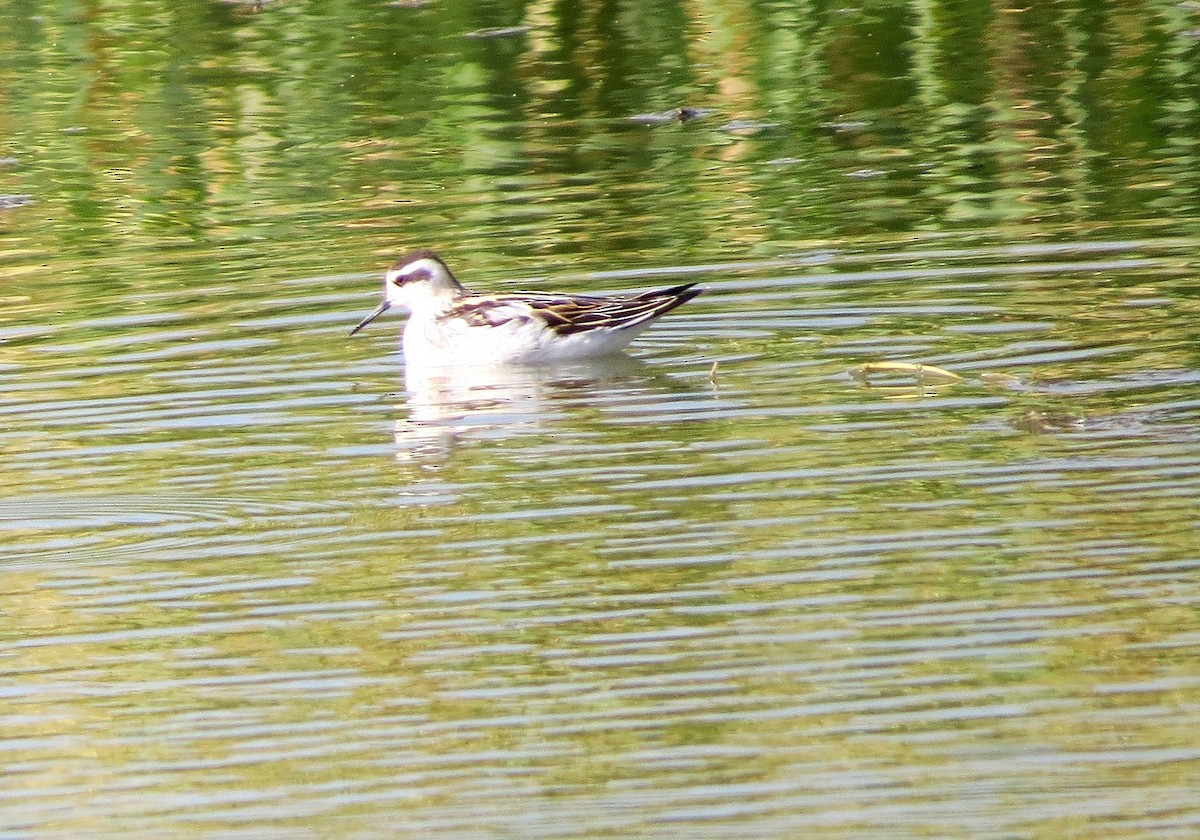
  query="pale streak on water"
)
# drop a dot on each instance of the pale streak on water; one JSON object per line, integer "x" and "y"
{"x": 255, "y": 585}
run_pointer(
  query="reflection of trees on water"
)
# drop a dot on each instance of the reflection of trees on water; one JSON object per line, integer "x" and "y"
{"x": 220, "y": 124}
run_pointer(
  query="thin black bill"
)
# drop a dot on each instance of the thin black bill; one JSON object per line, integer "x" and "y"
{"x": 375, "y": 313}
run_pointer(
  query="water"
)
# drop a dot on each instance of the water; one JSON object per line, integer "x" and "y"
{"x": 748, "y": 582}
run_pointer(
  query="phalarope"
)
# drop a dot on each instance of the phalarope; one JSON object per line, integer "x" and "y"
{"x": 449, "y": 325}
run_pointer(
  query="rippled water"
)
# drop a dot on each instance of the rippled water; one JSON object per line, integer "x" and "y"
{"x": 765, "y": 599}
{"x": 891, "y": 532}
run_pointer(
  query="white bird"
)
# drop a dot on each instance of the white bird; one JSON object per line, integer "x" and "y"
{"x": 449, "y": 325}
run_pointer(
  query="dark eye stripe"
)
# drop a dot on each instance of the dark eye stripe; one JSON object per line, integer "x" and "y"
{"x": 412, "y": 276}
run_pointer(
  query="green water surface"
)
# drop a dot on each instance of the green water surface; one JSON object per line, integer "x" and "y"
{"x": 255, "y": 583}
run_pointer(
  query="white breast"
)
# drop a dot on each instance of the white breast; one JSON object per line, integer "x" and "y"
{"x": 428, "y": 341}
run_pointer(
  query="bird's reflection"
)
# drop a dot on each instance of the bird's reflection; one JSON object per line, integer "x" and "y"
{"x": 449, "y": 404}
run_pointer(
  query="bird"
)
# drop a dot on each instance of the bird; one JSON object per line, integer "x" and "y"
{"x": 449, "y": 325}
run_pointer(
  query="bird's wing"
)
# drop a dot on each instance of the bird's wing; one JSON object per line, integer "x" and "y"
{"x": 569, "y": 314}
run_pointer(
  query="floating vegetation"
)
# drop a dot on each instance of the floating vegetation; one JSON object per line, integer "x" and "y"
{"x": 1048, "y": 422}
{"x": 1001, "y": 380}
{"x": 921, "y": 374}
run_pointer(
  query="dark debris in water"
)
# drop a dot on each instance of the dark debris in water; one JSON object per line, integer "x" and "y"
{"x": 685, "y": 113}
{"x": 498, "y": 32}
